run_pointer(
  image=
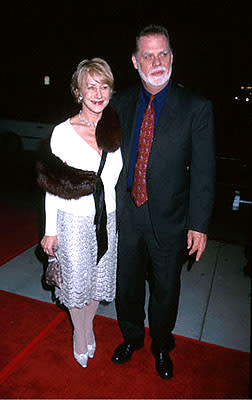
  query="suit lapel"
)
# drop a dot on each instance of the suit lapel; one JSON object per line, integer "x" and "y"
{"x": 168, "y": 114}
{"x": 166, "y": 132}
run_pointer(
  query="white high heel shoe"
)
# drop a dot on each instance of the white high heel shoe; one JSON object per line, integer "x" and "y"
{"x": 82, "y": 358}
{"x": 91, "y": 349}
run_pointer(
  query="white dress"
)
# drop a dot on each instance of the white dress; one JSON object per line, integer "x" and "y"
{"x": 73, "y": 223}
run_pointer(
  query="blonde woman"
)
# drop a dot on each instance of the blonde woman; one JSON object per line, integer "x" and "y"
{"x": 84, "y": 235}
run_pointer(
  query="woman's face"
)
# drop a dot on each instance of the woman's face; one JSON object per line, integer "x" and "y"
{"x": 96, "y": 94}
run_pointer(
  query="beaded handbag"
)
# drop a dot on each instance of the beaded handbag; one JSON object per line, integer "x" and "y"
{"x": 53, "y": 274}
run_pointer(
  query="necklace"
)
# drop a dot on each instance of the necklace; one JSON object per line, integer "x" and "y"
{"x": 94, "y": 124}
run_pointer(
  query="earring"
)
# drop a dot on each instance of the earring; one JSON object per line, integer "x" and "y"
{"x": 80, "y": 98}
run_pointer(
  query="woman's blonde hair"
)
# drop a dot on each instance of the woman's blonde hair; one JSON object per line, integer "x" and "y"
{"x": 95, "y": 66}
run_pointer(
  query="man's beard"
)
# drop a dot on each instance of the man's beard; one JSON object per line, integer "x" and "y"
{"x": 151, "y": 80}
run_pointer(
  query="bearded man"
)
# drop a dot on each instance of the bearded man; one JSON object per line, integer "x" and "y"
{"x": 165, "y": 195}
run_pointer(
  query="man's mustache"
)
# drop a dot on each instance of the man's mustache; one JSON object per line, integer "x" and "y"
{"x": 157, "y": 69}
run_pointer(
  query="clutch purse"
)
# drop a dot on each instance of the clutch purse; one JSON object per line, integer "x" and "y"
{"x": 53, "y": 274}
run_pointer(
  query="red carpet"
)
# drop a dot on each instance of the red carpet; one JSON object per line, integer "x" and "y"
{"x": 44, "y": 367}
{"x": 19, "y": 231}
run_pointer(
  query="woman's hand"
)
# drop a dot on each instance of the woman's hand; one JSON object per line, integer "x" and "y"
{"x": 49, "y": 243}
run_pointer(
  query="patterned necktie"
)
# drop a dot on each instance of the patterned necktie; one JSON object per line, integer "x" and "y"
{"x": 139, "y": 191}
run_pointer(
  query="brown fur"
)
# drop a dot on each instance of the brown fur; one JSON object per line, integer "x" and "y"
{"x": 68, "y": 182}
{"x": 108, "y": 133}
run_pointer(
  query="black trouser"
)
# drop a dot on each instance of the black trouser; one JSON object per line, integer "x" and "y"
{"x": 137, "y": 245}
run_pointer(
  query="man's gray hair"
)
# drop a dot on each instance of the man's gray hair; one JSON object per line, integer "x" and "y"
{"x": 152, "y": 30}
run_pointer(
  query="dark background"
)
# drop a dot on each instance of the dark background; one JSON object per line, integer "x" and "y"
{"x": 212, "y": 54}
{"x": 211, "y": 43}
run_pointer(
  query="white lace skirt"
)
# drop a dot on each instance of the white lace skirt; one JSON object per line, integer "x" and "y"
{"x": 83, "y": 279}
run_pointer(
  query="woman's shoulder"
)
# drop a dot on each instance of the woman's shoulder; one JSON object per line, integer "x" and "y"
{"x": 62, "y": 126}
{"x": 60, "y": 134}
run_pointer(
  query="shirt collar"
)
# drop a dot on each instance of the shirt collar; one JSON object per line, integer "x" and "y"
{"x": 159, "y": 97}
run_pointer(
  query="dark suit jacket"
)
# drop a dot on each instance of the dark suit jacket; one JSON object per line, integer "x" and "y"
{"x": 181, "y": 167}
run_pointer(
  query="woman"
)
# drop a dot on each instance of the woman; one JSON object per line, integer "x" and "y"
{"x": 67, "y": 171}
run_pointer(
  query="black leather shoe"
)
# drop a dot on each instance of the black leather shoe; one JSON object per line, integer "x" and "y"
{"x": 164, "y": 365}
{"x": 124, "y": 351}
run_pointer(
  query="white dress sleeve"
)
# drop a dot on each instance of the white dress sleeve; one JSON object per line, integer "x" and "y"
{"x": 51, "y": 201}
{"x": 51, "y": 214}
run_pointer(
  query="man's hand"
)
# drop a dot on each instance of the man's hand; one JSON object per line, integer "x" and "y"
{"x": 196, "y": 242}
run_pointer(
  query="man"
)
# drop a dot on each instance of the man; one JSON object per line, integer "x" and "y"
{"x": 165, "y": 195}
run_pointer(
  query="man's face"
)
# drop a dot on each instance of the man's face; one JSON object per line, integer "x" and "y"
{"x": 153, "y": 62}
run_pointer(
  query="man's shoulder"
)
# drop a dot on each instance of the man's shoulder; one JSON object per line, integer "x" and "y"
{"x": 188, "y": 95}
{"x": 125, "y": 95}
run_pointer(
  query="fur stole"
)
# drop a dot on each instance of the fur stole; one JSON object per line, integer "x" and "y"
{"x": 60, "y": 179}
